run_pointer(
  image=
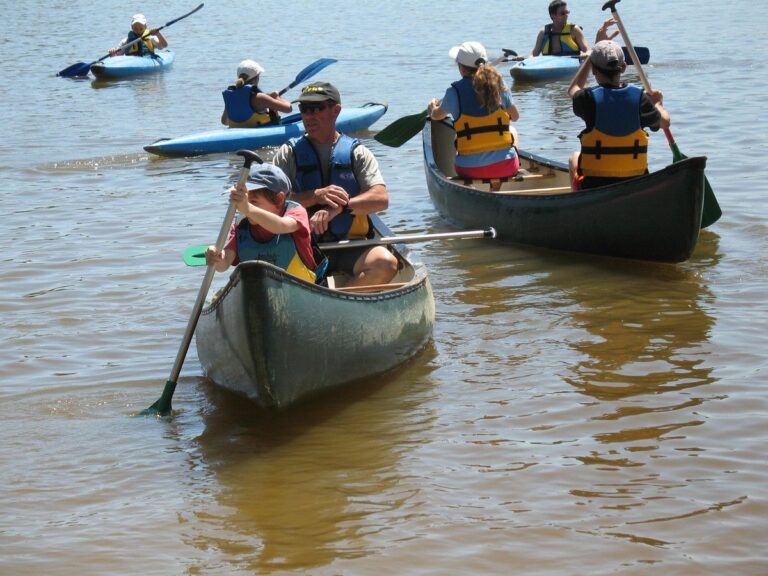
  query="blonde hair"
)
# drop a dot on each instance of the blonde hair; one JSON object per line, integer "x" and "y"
{"x": 243, "y": 79}
{"x": 488, "y": 85}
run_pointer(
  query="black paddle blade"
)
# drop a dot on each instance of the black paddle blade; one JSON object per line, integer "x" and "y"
{"x": 402, "y": 130}
{"x": 79, "y": 69}
{"x": 162, "y": 407}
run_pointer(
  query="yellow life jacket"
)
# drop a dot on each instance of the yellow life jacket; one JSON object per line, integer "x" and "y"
{"x": 256, "y": 119}
{"x": 137, "y": 49}
{"x": 567, "y": 44}
{"x": 476, "y": 129}
{"x": 616, "y": 146}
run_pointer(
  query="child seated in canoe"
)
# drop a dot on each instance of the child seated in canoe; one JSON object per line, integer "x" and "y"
{"x": 245, "y": 105}
{"x": 273, "y": 229}
{"x": 614, "y": 144}
{"x": 482, "y": 108}
{"x": 151, "y": 40}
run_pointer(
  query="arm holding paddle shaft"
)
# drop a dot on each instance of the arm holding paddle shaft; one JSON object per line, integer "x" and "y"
{"x": 711, "y": 212}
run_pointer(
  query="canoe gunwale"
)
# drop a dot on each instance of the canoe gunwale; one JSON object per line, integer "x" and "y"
{"x": 655, "y": 217}
{"x": 280, "y": 275}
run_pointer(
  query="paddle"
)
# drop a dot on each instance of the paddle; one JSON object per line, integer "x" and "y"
{"x": 195, "y": 255}
{"x": 402, "y": 129}
{"x": 405, "y": 128}
{"x": 308, "y": 72}
{"x": 162, "y": 407}
{"x": 81, "y": 68}
{"x": 711, "y": 211}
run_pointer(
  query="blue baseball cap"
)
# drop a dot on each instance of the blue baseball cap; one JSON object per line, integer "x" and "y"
{"x": 268, "y": 176}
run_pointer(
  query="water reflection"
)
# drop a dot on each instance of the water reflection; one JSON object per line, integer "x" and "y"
{"x": 629, "y": 393}
{"x": 304, "y": 487}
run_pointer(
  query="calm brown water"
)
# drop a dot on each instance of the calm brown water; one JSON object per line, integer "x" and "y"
{"x": 571, "y": 415}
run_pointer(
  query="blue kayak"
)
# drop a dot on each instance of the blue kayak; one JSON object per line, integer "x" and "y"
{"x": 545, "y": 68}
{"x": 558, "y": 67}
{"x": 234, "y": 139}
{"x": 123, "y": 66}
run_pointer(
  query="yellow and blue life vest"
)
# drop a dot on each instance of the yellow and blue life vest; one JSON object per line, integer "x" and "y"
{"x": 146, "y": 46}
{"x": 309, "y": 176}
{"x": 477, "y": 130}
{"x": 280, "y": 250}
{"x": 237, "y": 103}
{"x": 616, "y": 146}
{"x": 568, "y": 46}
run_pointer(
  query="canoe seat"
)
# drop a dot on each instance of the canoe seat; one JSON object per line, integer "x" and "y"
{"x": 372, "y": 287}
{"x": 521, "y": 176}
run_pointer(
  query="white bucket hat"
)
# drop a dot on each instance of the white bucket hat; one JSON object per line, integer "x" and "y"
{"x": 139, "y": 19}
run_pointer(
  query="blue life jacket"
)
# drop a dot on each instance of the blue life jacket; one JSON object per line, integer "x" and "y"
{"x": 237, "y": 103}
{"x": 280, "y": 250}
{"x": 309, "y": 176}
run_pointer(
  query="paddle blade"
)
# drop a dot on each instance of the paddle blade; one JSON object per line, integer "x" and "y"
{"x": 308, "y": 72}
{"x": 314, "y": 68}
{"x": 643, "y": 54}
{"x": 711, "y": 212}
{"x": 162, "y": 407}
{"x": 79, "y": 69}
{"x": 402, "y": 130}
{"x": 195, "y": 255}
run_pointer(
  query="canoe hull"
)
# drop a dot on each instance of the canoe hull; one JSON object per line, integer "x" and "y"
{"x": 125, "y": 66}
{"x": 278, "y": 339}
{"x": 234, "y": 139}
{"x": 656, "y": 217}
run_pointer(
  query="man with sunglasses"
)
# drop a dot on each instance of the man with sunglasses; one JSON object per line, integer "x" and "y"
{"x": 338, "y": 181}
{"x": 561, "y": 38}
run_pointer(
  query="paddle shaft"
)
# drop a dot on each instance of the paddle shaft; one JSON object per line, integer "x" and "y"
{"x": 161, "y": 27}
{"x": 195, "y": 255}
{"x": 406, "y": 238}
{"x": 162, "y": 406}
{"x": 206, "y": 285}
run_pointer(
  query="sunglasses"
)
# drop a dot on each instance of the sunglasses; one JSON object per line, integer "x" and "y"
{"x": 314, "y": 108}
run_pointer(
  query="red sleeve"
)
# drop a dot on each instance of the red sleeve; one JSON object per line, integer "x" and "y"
{"x": 231, "y": 244}
{"x": 302, "y": 237}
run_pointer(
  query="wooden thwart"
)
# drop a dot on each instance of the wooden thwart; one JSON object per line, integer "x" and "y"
{"x": 537, "y": 191}
{"x": 372, "y": 287}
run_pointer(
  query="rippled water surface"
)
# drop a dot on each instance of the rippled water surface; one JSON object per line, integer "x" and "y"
{"x": 571, "y": 415}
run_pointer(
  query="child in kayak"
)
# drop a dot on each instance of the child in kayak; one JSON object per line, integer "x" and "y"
{"x": 273, "y": 229}
{"x": 246, "y": 105}
{"x": 151, "y": 40}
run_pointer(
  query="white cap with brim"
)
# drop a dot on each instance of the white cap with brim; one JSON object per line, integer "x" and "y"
{"x": 139, "y": 19}
{"x": 470, "y": 54}
{"x": 250, "y": 68}
{"x": 268, "y": 176}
